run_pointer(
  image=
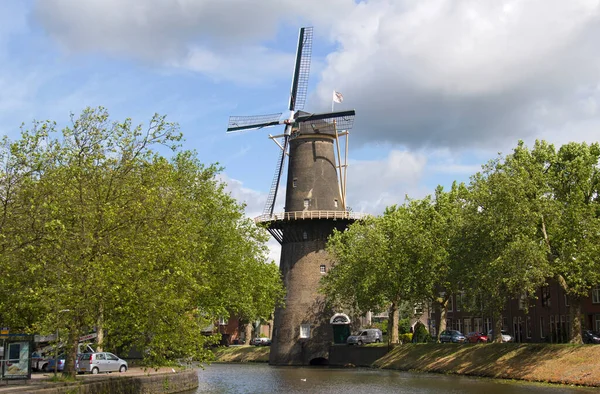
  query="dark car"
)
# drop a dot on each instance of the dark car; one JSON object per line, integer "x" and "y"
{"x": 590, "y": 336}
{"x": 476, "y": 337}
{"x": 453, "y": 336}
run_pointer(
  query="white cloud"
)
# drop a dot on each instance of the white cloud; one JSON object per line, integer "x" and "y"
{"x": 376, "y": 184}
{"x": 463, "y": 73}
{"x": 427, "y": 74}
{"x": 216, "y": 37}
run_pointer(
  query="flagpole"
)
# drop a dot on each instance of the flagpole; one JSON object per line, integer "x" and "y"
{"x": 332, "y": 101}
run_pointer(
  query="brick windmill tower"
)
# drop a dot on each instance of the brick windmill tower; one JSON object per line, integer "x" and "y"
{"x": 315, "y": 204}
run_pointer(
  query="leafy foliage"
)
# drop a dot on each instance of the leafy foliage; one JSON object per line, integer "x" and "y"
{"x": 116, "y": 236}
{"x": 526, "y": 217}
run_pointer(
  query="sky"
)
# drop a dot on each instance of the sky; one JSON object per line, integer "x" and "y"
{"x": 440, "y": 87}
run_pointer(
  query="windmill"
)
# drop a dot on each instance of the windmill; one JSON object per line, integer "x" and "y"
{"x": 315, "y": 205}
{"x": 299, "y": 122}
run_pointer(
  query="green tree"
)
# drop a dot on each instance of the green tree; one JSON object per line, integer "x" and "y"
{"x": 120, "y": 238}
{"x": 502, "y": 238}
{"x": 384, "y": 261}
{"x": 572, "y": 230}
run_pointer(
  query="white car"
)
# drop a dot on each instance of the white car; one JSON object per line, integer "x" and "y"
{"x": 369, "y": 335}
{"x": 506, "y": 337}
{"x": 100, "y": 362}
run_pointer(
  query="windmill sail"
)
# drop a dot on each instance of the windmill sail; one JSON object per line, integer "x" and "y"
{"x": 271, "y": 198}
{"x": 302, "y": 69}
{"x": 238, "y": 123}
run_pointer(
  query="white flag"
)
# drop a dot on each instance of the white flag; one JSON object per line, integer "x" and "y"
{"x": 337, "y": 97}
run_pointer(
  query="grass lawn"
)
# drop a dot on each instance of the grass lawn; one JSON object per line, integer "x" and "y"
{"x": 242, "y": 354}
{"x": 558, "y": 363}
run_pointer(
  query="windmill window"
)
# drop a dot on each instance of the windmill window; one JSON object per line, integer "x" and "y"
{"x": 306, "y": 202}
{"x": 335, "y": 203}
{"x": 323, "y": 269}
{"x": 304, "y": 330}
{"x": 294, "y": 182}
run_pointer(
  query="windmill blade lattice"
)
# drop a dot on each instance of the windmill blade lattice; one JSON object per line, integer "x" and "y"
{"x": 238, "y": 123}
{"x": 302, "y": 69}
{"x": 270, "y": 204}
{"x": 344, "y": 120}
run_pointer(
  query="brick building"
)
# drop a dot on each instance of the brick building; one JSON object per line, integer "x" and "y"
{"x": 545, "y": 320}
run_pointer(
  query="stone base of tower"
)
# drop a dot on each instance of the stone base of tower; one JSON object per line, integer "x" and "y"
{"x": 302, "y": 333}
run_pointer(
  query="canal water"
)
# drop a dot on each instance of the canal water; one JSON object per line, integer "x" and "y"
{"x": 262, "y": 378}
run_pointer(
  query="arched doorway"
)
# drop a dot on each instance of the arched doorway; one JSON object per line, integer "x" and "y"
{"x": 341, "y": 327}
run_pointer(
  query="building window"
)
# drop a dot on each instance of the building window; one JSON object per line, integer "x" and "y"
{"x": 597, "y": 320}
{"x": 449, "y": 324}
{"x": 505, "y": 323}
{"x": 467, "y": 326}
{"x": 418, "y": 309}
{"x": 522, "y": 301}
{"x": 477, "y": 324}
{"x": 306, "y": 202}
{"x": 459, "y": 302}
{"x": 450, "y": 304}
{"x": 459, "y": 325}
{"x": 546, "y": 296}
{"x": 542, "y": 333}
{"x": 294, "y": 182}
{"x": 304, "y": 330}
{"x": 335, "y": 203}
{"x": 528, "y": 326}
{"x": 322, "y": 268}
{"x": 566, "y": 300}
{"x": 304, "y": 235}
{"x": 222, "y": 321}
{"x": 487, "y": 325}
{"x": 596, "y": 295}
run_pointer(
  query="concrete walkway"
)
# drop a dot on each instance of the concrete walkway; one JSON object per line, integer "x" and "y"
{"x": 41, "y": 380}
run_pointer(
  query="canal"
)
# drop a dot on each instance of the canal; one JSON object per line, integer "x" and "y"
{"x": 262, "y": 378}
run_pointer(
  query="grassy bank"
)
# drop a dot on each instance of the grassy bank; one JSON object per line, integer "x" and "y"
{"x": 242, "y": 354}
{"x": 565, "y": 364}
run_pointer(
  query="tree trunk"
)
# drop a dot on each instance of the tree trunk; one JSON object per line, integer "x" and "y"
{"x": 443, "y": 303}
{"x": 394, "y": 323}
{"x": 247, "y": 333}
{"x": 70, "y": 352}
{"x": 100, "y": 330}
{"x": 270, "y": 323}
{"x": 575, "y": 315}
{"x": 498, "y": 329}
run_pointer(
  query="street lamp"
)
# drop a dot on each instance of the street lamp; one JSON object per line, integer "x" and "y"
{"x": 56, "y": 346}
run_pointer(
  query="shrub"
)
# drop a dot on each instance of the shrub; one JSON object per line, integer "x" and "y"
{"x": 406, "y": 338}
{"x": 421, "y": 334}
{"x": 404, "y": 326}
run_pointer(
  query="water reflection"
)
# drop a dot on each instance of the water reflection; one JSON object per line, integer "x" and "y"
{"x": 261, "y": 378}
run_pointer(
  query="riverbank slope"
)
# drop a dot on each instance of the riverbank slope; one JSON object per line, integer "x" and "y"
{"x": 242, "y": 354}
{"x": 564, "y": 364}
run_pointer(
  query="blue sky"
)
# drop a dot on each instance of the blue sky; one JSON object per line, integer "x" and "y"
{"x": 439, "y": 86}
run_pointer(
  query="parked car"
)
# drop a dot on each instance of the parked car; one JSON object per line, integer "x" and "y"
{"x": 38, "y": 362}
{"x": 453, "y": 336}
{"x": 51, "y": 361}
{"x": 369, "y": 335}
{"x": 476, "y": 337}
{"x": 506, "y": 337}
{"x": 101, "y": 362}
{"x": 590, "y": 336}
{"x": 260, "y": 342}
